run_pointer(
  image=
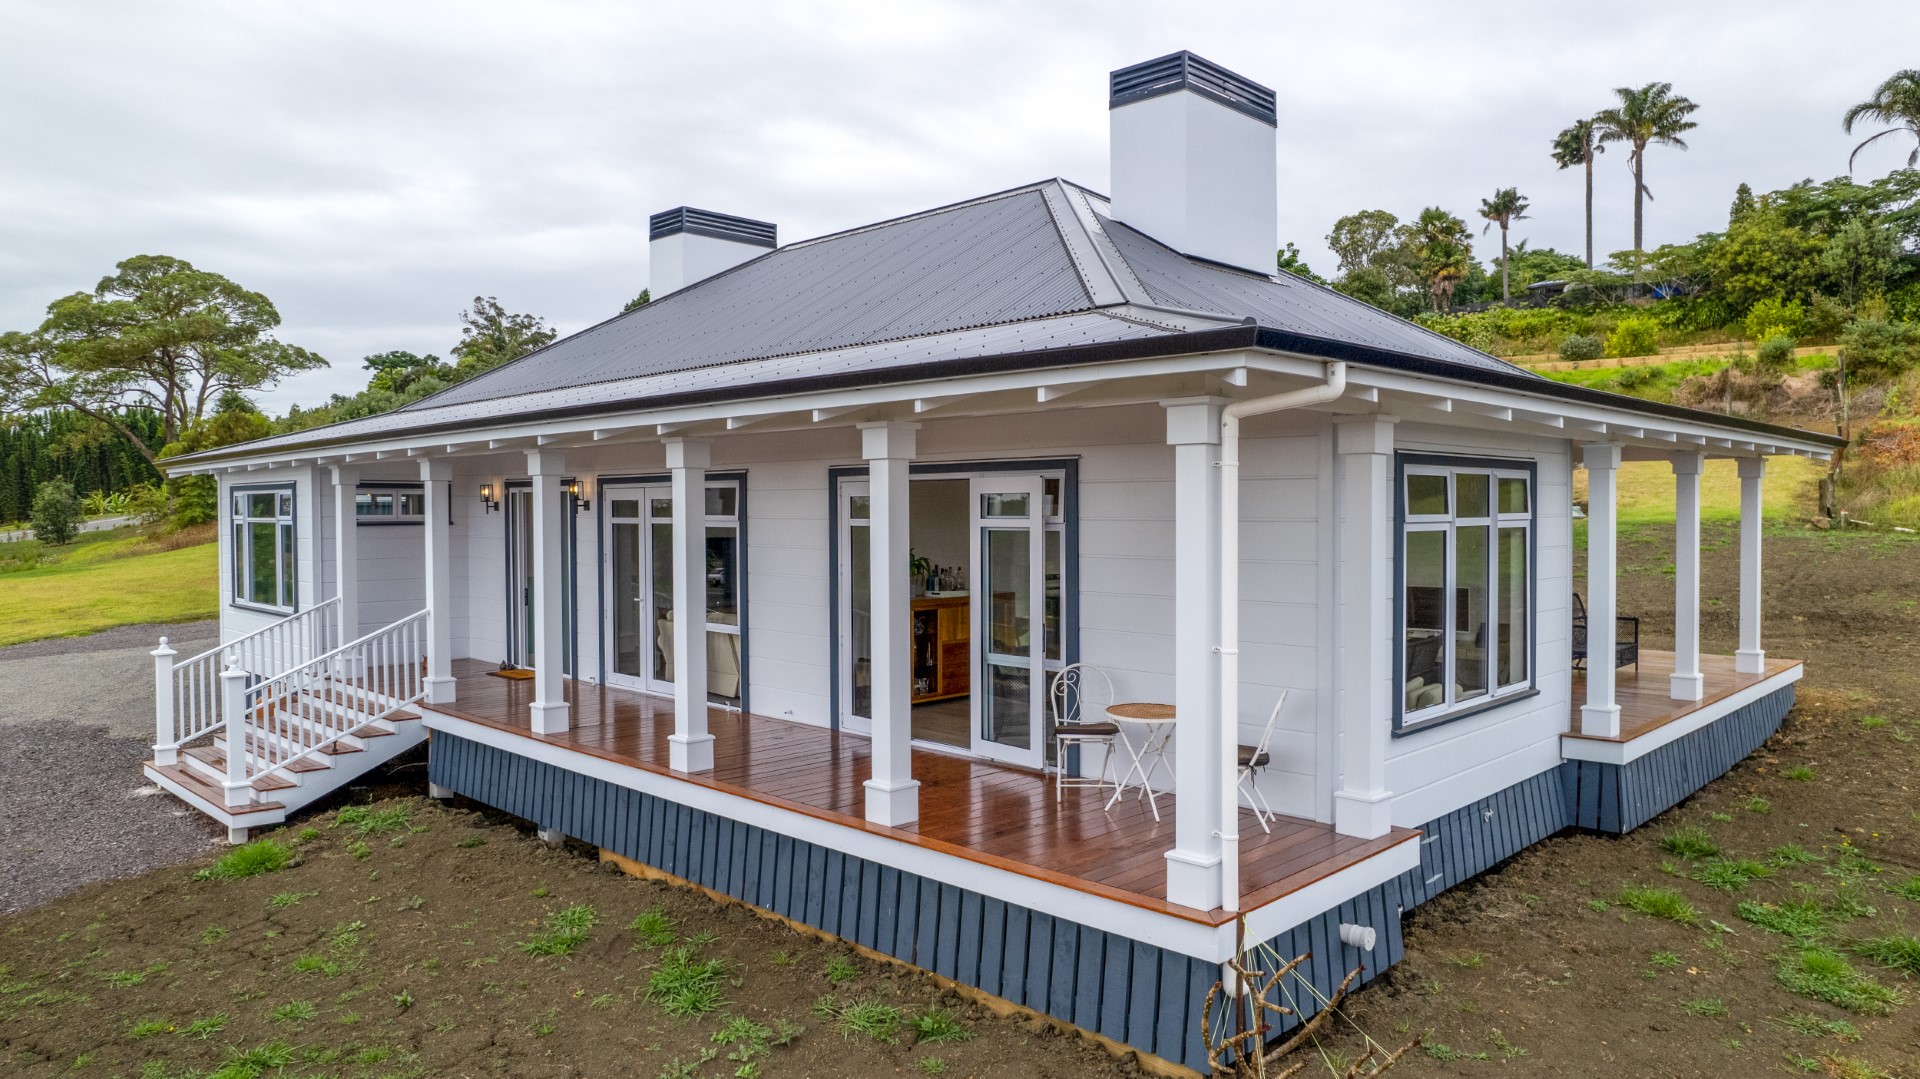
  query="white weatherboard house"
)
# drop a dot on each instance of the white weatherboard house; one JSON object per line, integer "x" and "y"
{"x": 912, "y": 472}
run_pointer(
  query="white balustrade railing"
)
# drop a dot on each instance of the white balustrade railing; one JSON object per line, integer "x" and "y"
{"x": 187, "y": 693}
{"x": 277, "y": 722}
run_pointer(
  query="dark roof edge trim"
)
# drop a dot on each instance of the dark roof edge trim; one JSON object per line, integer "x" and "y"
{"x": 1521, "y": 381}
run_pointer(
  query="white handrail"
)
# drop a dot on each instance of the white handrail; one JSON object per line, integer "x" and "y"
{"x": 268, "y": 628}
{"x": 187, "y": 693}
{"x": 300, "y": 712}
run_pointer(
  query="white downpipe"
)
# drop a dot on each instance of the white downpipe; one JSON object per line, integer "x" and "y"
{"x": 1229, "y": 648}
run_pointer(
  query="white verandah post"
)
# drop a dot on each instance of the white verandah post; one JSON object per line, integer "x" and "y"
{"x": 1601, "y": 714}
{"x": 893, "y": 795}
{"x": 1195, "y": 865}
{"x": 166, "y": 750}
{"x": 1750, "y": 659}
{"x": 346, "y": 555}
{"x": 690, "y": 747}
{"x": 436, "y": 478}
{"x": 1687, "y": 683}
{"x": 549, "y": 709}
{"x": 1363, "y": 447}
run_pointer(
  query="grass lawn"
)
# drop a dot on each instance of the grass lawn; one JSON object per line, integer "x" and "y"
{"x": 105, "y": 579}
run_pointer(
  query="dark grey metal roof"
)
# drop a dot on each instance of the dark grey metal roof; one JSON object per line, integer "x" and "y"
{"x": 1185, "y": 71}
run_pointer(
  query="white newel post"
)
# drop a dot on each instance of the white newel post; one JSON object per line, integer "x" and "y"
{"x": 1195, "y": 865}
{"x": 549, "y": 709}
{"x": 436, "y": 477}
{"x": 1687, "y": 683}
{"x": 1363, "y": 447}
{"x": 1601, "y": 714}
{"x": 690, "y": 747}
{"x": 893, "y": 795}
{"x": 233, "y": 711}
{"x": 346, "y": 554}
{"x": 166, "y": 748}
{"x": 1750, "y": 659}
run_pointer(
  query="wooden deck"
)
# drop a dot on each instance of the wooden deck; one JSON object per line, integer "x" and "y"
{"x": 1642, "y": 691}
{"x": 988, "y": 813}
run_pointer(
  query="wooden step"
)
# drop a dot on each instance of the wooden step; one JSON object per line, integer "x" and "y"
{"x": 216, "y": 759}
{"x": 209, "y": 792}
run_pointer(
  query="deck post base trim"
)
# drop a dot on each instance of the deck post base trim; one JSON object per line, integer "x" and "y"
{"x": 690, "y": 753}
{"x": 1363, "y": 815}
{"x": 549, "y": 718}
{"x": 894, "y": 805}
{"x": 1687, "y": 687}
{"x": 1752, "y": 661}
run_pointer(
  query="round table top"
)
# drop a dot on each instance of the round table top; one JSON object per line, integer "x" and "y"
{"x": 1140, "y": 712}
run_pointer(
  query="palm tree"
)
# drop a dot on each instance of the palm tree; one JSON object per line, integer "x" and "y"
{"x": 1443, "y": 250}
{"x": 1896, "y": 102}
{"x": 1503, "y": 209}
{"x": 1577, "y": 146}
{"x": 1651, "y": 114}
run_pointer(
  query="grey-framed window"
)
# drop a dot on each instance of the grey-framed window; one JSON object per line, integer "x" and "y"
{"x": 265, "y": 571}
{"x": 1465, "y": 581}
{"x": 389, "y": 504}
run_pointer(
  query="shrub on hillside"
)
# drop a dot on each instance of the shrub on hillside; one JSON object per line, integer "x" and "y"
{"x": 1775, "y": 355}
{"x": 1582, "y": 346}
{"x": 56, "y": 512}
{"x": 1636, "y": 336}
{"x": 1774, "y": 318}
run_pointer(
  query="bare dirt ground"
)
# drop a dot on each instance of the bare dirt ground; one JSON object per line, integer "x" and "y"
{"x": 396, "y": 945}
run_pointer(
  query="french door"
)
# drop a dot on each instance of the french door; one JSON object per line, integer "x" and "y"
{"x": 520, "y": 571}
{"x": 1010, "y": 623}
{"x": 640, "y": 610}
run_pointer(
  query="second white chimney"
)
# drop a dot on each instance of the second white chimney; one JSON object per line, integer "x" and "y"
{"x": 1194, "y": 160}
{"x": 685, "y": 245}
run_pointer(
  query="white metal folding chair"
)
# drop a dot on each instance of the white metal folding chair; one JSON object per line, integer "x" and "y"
{"x": 1077, "y": 701}
{"x": 1252, "y": 760}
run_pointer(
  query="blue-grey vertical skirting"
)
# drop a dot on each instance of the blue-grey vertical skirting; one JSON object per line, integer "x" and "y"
{"x": 1622, "y": 797}
{"x": 1131, "y": 992}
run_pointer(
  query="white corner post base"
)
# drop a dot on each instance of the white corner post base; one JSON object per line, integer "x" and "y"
{"x": 1750, "y": 659}
{"x": 236, "y": 835}
{"x": 690, "y": 753}
{"x": 1363, "y": 451}
{"x": 1196, "y": 865}
{"x": 895, "y": 805}
{"x": 552, "y": 837}
{"x": 892, "y": 794}
{"x": 549, "y": 718}
{"x": 1686, "y": 683}
{"x": 437, "y": 792}
{"x": 1600, "y": 716}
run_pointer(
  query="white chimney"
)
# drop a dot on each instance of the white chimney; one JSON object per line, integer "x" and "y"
{"x": 686, "y": 245}
{"x": 1194, "y": 159}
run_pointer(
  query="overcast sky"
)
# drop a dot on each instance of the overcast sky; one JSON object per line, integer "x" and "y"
{"x": 373, "y": 166}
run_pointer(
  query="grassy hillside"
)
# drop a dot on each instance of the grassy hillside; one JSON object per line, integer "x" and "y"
{"x": 105, "y": 579}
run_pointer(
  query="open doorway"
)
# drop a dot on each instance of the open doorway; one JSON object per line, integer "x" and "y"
{"x": 941, "y": 575}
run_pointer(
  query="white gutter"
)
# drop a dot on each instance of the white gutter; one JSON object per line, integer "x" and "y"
{"x": 1229, "y": 647}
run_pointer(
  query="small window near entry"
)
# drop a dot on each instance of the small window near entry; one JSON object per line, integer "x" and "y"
{"x": 385, "y": 505}
{"x": 262, "y": 537}
{"x": 1466, "y": 587}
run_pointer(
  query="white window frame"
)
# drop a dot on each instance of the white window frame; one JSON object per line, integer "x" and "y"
{"x": 1410, "y": 523}
{"x": 286, "y": 547}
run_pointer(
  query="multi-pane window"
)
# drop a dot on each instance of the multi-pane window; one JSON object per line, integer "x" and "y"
{"x": 390, "y": 505}
{"x": 264, "y": 569}
{"x": 1466, "y": 572}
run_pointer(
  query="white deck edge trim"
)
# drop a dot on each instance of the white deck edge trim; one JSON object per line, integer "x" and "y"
{"x": 219, "y": 813}
{"x": 1575, "y": 748}
{"x": 1212, "y": 944}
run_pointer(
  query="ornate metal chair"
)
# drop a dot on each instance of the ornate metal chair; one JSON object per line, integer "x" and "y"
{"x": 1077, "y": 702}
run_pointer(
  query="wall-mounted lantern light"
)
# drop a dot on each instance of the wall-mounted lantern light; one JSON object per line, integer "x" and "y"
{"x": 487, "y": 499}
{"x": 581, "y": 490}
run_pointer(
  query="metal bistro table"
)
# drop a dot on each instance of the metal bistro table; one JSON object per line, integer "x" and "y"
{"x": 1157, "y": 720}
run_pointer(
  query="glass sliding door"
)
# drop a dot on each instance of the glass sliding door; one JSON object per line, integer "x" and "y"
{"x": 1010, "y": 616}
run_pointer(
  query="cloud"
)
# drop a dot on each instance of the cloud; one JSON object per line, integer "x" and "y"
{"x": 372, "y": 167}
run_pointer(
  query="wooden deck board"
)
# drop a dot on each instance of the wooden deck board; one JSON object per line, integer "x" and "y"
{"x": 1642, "y": 692}
{"x": 994, "y": 814}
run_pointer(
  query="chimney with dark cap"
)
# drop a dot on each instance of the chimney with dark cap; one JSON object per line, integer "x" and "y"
{"x": 1194, "y": 159}
{"x": 686, "y": 245}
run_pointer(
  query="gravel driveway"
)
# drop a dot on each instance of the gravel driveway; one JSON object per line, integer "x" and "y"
{"x": 76, "y": 719}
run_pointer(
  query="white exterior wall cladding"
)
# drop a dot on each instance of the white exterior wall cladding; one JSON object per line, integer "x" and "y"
{"x": 237, "y": 621}
{"x": 1125, "y": 585}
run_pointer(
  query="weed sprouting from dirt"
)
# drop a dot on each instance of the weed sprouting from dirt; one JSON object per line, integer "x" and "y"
{"x": 930, "y": 1065}
{"x": 682, "y": 985}
{"x": 360, "y": 851}
{"x": 1800, "y": 772}
{"x": 125, "y": 979}
{"x": 1447, "y": 1054}
{"x": 1849, "y": 900}
{"x": 937, "y": 1025}
{"x": 298, "y": 1011}
{"x": 214, "y": 934}
{"x": 1664, "y": 960}
{"x": 1693, "y": 843}
{"x": 205, "y": 1029}
{"x": 249, "y": 860}
{"x": 840, "y": 969}
{"x": 565, "y": 930}
{"x": 1507, "y": 1048}
{"x": 1873, "y": 723}
{"x": 1659, "y": 903}
{"x": 1850, "y": 1068}
{"x": 1824, "y": 974}
{"x": 1471, "y": 960}
{"x": 1757, "y": 804}
{"x": 679, "y": 1068}
{"x": 147, "y": 1028}
{"x": 1791, "y": 854}
{"x": 471, "y": 842}
{"x": 1815, "y": 1027}
{"x": 1805, "y": 922}
{"x": 366, "y": 820}
{"x": 867, "y": 1018}
{"x": 261, "y": 1059}
{"x": 1730, "y": 874}
{"x": 1706, "y": 1008}
{"x": 1895, "y": 951}
{"x": 1908, "y": 889}
{"x": 654, "y": 928}
{"x": 747, "y": 1042}
{"x": 283, "y": 900}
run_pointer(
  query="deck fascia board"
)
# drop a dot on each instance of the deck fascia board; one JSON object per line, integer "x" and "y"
{"x": 1619, "y": 751}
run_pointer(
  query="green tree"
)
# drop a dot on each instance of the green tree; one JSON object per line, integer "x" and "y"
{"x": 1288, "y": 260}
{"x": 1857, "y": 261}
{"x": 56, "y": 512}
{"x": 397, "y": 371}
{"x": 645, "y": 297}
{"x": 1529, "y": 265}
{"x": 1369, "y": 239}
{"x": 1896, "y": 102}
{"x": 1579, "y": 145}
{"x": 1503, "y": 209}
{"x": 1442, "y": 251}
{"x": 195, "y": 500}
{"x": 1762, "y": 257}
{"x": 1652, "y": 114}
{"x": 158, "y": 334}
{"x": 490, "y": 335}
{"x": 1743, "y": 204}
